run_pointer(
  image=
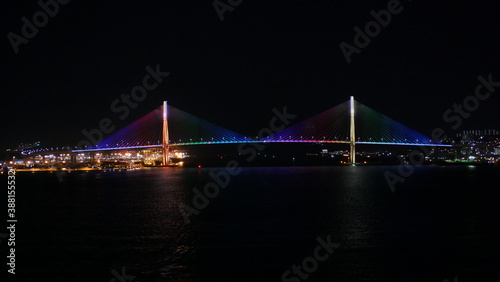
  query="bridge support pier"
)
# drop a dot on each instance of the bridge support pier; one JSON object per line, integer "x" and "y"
{"x": 352, "y": 158}
{"x": 165, "y": 147}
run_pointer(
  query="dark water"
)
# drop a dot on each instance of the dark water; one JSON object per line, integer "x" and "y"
{"x": 442, "y": 222}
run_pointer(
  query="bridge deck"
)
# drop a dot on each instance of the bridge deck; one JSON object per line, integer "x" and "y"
{"x": 263, "y": 141}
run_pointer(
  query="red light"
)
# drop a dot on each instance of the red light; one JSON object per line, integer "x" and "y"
{"x": 199, "y": 166}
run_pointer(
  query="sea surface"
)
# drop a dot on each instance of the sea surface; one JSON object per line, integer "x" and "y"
{"x": 442, "y": 222}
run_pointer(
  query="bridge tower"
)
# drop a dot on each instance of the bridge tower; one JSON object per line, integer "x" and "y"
{"x": 164, "y": 143}
{"x": 352, "y": 157}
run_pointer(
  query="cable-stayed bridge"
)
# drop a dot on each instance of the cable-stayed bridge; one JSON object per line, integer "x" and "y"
{"x": 350, "y": 122}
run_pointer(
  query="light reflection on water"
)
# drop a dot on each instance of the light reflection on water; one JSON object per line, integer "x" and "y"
{"x": 266, "y": 220}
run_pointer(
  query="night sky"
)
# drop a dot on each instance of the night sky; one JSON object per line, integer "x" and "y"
{"x": 264, "y": 54}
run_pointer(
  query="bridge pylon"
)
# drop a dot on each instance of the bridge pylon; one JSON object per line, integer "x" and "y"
{"x": 352, "y": 156}
{"x": 164, "y": 144}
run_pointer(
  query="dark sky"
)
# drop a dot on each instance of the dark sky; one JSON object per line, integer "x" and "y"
{"x": 264, "y": 54}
